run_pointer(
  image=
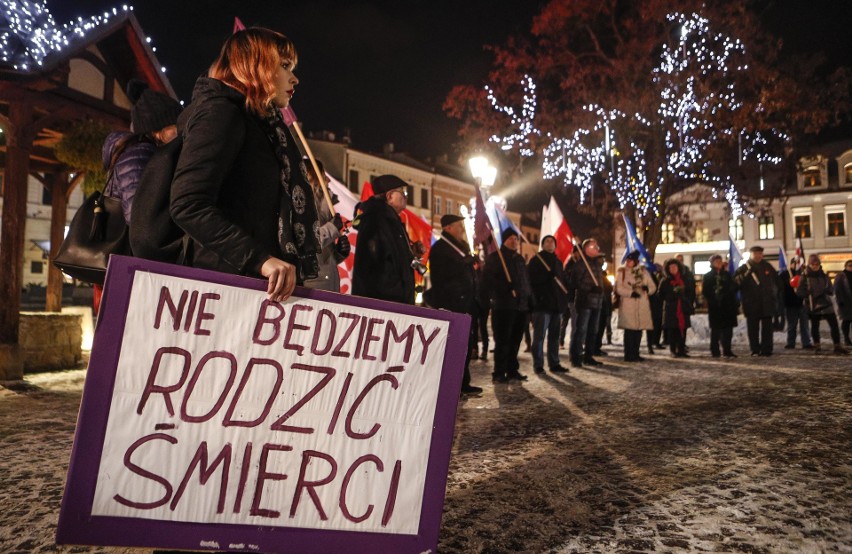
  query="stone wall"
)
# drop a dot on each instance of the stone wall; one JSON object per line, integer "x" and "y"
{"x": 50, "y": 341}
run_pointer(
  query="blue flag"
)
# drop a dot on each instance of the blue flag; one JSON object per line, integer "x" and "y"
{"x": 782, "y": 259}
{"x": 634, "y": 245}
{"x": 735, "y": 257}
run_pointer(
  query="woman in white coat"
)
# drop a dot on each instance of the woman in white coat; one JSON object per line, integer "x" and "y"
{"x": 633, "y": 285}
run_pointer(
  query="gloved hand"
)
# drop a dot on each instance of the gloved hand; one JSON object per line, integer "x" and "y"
{"x": 338, "y": 222}
{"x": 342, "y": 246}
{"x": 635, "y": 294}
{"x": 596, "y": 290}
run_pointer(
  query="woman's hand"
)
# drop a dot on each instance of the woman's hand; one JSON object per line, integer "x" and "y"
{"x": 282, "y": 278}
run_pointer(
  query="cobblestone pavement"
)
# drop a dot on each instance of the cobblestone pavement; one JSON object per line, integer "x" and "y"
{"x": 695, "y": 455}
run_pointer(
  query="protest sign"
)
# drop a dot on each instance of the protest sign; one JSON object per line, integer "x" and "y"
{"x": 215, "y": 419}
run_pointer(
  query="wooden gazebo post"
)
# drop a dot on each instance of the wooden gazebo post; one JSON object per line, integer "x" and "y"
{"x": 60, "y": 189}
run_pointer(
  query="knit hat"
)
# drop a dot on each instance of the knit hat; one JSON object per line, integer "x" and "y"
{"x": 507, "y": 234}
{"x": 386, "y": 183}
{"x": 633, "y": 256}
{"x": 152, "y": 110}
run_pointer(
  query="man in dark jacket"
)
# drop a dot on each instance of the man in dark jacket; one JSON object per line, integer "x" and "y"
{"x": 794, "y": 308}
{"x": 550, "y": 299}
{"x": 454, "y": 282}
{"x": 383, "y": 255}
{"x": 510, "y": 299}
{"x": 587, "y": 278}
{"x": 719, "y": 290}
{"x": 758, "y": 283}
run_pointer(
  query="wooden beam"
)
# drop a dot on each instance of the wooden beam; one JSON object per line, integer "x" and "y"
{"x": 19, "y": 141}
{"x": 59, "y": 188}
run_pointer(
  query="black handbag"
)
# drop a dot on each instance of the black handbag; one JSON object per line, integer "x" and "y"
{"x": 97, "y": 231}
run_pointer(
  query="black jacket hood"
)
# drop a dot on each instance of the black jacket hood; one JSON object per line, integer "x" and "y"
{"x": 208, "y": 88}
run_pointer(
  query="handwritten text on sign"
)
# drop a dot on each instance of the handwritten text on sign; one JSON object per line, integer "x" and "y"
{"x": 228, "y": 408}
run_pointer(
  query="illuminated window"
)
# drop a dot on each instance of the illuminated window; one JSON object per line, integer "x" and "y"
{"x": 766, "y": 227}
{"x": 702, "y": 234}
{"x": 667, "y": 233}
{"x": 811, "y": 177}
{"x": 735, "y": 228}
{"x": 848, "y": 171}
{"x": 835, "y": 221}
{"x": 437, "y": 205}
{"x": 803, "y": 226}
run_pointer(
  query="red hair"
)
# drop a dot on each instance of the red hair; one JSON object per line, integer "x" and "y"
{"x": 248, "y": 62}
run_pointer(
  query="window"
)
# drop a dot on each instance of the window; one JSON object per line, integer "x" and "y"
{"x": 848, "y": 172}
{"x": 449, "y": 206}
{"x": 36, "y": 267}
{"x": 812, "y": 177}
{"x": 353, "y": 180}
{"x": 46, "y": 196}
{"x": 803, "y": 226}
{"x": 702, "y": 234}
{"x": 835, "y": 221}
{"x": 424, "y": 198}
{"x": 409, "y": 190}
{"x": 667, "y": 234}
{"x": 437, "y": 205}
{"x": 766, "y": 227}
{"x": 735, "y": 228}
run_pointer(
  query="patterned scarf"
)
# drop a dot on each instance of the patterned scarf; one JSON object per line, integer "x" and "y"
{"x": 678, "y": 285}
{"x": 298, "y": 223}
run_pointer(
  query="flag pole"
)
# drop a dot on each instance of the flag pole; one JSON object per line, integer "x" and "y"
{"x": 320, "y": 176}
{"x": 585, "y": 261}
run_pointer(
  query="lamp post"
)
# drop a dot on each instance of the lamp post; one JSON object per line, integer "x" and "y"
{"x": 484, "y": 173}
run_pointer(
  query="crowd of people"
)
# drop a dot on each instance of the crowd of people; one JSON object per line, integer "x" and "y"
{"x": 250, "y": 204}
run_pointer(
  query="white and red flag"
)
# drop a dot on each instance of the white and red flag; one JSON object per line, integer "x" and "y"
{"x": 554, "y": 223}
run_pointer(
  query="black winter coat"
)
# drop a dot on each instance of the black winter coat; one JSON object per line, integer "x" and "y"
{"x": 382, "y": 255}
{"x": 453, "y": 276}
{"x": 547, "y": 295}
{"x": 500, "y": 289}
{"x": 588, "y": 294}
{"x": 758, "y": 284}
{"x": 720, "y": 291}
{"x": 791, "y": 299}
{"x": 816, "y": 289}
{"x": 671, "y": 296}
{"x": 226, "y": 188}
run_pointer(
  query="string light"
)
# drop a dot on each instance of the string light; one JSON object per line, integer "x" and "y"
{"x": 29, "y": 34}
{"x": 685, "y": 116}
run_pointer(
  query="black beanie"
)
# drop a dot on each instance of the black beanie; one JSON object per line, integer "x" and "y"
{"x": 508, "y": 233}
{"x": 151, "y": 111}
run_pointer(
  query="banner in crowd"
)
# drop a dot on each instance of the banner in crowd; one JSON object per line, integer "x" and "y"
{"x": 213, "y": 418}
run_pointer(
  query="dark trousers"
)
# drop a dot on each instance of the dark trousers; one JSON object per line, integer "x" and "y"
{"x": 722, "y": 336}
{"x": 604, "y": 326}
{"x": 481, "y": 327}
{"x": 677, "y": 340}
{"x": 584, "y": 333}
{"x": 760, "y": 335}
{"x": 847, "y": 323}
{"x": 632, "y": 341}
{"x": 563, "y": 326}
{"x": 508, "y": 328}
{"x": 832, "y": 325}
{"x": 797, "y": 318}
{"x": 545, "y": 324}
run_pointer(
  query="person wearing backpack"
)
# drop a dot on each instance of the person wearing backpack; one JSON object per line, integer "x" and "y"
{"x": 240, "y": 187}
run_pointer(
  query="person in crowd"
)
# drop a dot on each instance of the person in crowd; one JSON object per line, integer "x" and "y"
{"x": 655, "y": 335}
{"x": 383, "y": 257}
{"x": 334, "y": 247}
{"x": 720, "y": 292}
{"x": 794, "y": 307}
{"x": 549, "y": 301}
{"x": 510, "y": 301}
{"x": 843, "y": 294}
{"x": 587, "y": 278}
{"x": 572, "y": 292}
{"x": 676, "y": 314}
{"x": 605, "y": 320}
{"x": 816, "y": 290}
{"x": 240, "y": 188}
{"x": 153, "y": 122}
{"x": 634, "y": 285}
{"x": 453, "y": 271}
{"x": 483, "y": 304}
{"x": 758, "y": 284}
{"x": 689, "y": 280}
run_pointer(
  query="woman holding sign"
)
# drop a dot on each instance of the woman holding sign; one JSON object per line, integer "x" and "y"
{"x": 240, "y": 188}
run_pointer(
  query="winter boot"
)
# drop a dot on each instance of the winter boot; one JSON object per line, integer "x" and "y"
{"x": 839, "y": 350}
{"x": 817, "y": 348}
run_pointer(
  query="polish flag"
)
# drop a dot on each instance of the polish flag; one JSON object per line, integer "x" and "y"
{"x": 554, "y": 223}
{"x": 800, "y": 251}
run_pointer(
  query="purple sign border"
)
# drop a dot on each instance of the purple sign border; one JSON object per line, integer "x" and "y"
{"x": 78, "y": 526}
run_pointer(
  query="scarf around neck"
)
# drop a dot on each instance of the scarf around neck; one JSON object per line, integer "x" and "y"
{"x": 298, "y": 222}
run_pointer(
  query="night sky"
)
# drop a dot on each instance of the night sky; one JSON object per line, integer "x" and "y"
{"x": 382, "y": 69}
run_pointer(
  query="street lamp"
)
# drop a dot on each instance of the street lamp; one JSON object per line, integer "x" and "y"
{"x": 483, "y": 172}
